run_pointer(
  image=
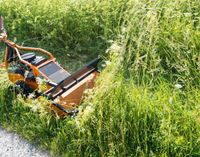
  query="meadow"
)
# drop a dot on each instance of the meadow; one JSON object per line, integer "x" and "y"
{"x": 146, "y": 101}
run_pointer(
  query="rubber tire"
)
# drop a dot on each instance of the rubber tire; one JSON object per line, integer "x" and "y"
{"x": 22, "y": 87}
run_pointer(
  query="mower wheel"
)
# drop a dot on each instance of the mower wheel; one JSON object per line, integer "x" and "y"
{"x": 23, "y": 88}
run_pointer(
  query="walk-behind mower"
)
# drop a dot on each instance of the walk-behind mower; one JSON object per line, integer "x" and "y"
{"x": 64, "y": 90}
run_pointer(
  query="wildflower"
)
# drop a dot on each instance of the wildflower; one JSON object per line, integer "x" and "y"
{"x": 115, "y": 47}
{"x": 124, "y": 29}
{"x": 31, "y": 96}
{"x": 38, "y": 80}
{"x": 88, "y": 91}
{"x": 108, "y": 62}
{"x": 187, "y": 14}
{"x": 34, "y": 108}
{"x": 77, "y": 123}
{"x": 88, "y": 110}
{"x": 103, "y": 65}
{"x": 178, "y": 86}
{"x": 170, "y": 100}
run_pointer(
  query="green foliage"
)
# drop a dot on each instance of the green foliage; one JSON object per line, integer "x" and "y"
{"x": 137, "y": 121}
{"x": 147, "y": 99}
{"x": 66, "y": 26}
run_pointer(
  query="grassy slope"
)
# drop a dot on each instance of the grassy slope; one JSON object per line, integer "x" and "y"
{"x": 136, "y": 110}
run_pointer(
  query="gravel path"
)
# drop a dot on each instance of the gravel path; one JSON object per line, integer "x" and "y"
{"x": 11, "y": 145}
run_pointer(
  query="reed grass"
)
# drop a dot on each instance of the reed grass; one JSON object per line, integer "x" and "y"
{"x": 147, "y": 99}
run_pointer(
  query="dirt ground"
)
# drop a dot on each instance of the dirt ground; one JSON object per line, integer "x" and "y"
{"x": 12, "y": 145}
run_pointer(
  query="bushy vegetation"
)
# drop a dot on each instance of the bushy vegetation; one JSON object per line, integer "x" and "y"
{"x": 147, "y": 100}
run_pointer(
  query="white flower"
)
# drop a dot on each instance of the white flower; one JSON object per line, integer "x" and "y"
{"x": 108, "y": 62}
{"x": 124, "y": 29}
{"x": 88, "y": 109}
{"x": 77, "y": 123}
{"x": 34, "y": 108}
{"x": 170, "y": 100}
{"x": 187, "y": 14}
{"x": 88, "y": 91}
{"x": 103, "y": 65}
{"x": 178, "y": 86}
{"x": 38, "y": 80}
{"x": 31, "y": 96}
{"x": 115, "y": 47}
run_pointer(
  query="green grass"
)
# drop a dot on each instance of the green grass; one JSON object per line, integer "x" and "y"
{"x": 147, "y": 100}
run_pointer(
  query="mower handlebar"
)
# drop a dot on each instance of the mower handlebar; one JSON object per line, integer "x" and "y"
{"x": 3, "y": 37}
{"x": 35, "y": 49}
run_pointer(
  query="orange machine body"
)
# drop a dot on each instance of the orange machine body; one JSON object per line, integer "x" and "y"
{"x": 64, "y": 90}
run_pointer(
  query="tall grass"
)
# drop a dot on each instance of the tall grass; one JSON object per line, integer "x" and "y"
{"x": 147, "y": 100}
{"x": 66, "y": 27}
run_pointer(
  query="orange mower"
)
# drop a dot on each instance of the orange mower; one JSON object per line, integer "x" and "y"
{"x": 64, "y": 90}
